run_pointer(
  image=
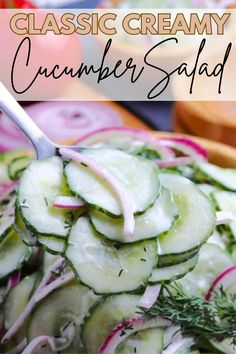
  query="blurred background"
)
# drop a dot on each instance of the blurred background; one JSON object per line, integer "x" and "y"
{"x": 213, "y": 120}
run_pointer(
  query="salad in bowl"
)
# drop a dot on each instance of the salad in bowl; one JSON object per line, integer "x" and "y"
{"x": 126, "y": 247}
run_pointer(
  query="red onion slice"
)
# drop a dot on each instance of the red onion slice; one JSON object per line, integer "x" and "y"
{"x": 6, "y": 224}
{"x": 19, "y": 348}
{"x": 37, "y": 343}
{"x": 13, "y": 280}
{"x": 6, "y": 189}
{"x": 62, "y": 280}
{"x": 225, "y": 279}
{"x": 29, "y": 307}
{"x": 135, "y": 324}
{"x": 126, "y": 201}
{"x": 60, "y": 121}
{"x": 124, "y": 132}
{"x": 64, "y": 202}
{"x": 224, "y": 217}
{"x": 178, "y": 161}
{"x": 178, "y": 345}
{"x": 186, "y": 146}
{"x": 150, "y": 296}
{"x": 172, "y": 333}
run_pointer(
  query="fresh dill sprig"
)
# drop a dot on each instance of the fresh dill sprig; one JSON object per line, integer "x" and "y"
{"x": 212, "y": 320}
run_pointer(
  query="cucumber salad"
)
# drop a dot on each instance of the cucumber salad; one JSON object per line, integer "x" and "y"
{"x": 128, "y": 246}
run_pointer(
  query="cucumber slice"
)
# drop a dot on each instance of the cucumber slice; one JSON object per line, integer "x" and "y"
{"x": 196, "y": 222}
{"x": 221, "y": 177}
{"x": 225, "y": 346}
{"x": 17, "y": 166}
{"x": 207, "y": 188}
{"x": 13, "y": 253}
{"x": 26, "y": 235}
{"x": 48, "y": 260}
{"x": 212, "y": 261}
{"x": 107, "y": 267}
{"x": 17, "y": 298}
{"x": 217, "y": 239}
{"x": 149, "y": 341}
{"x": 62, "y": 307}
{"x": 5, "y": 160}
{"x": 51, "y": 244}
{"x": 226, "y": 201}
{"x": 104, "y": 317}
{"x": 169, "y": 274}
{"x": 40, "y": 184}
{"x": 152, "y": 223}
{"x": 134, "y": 173}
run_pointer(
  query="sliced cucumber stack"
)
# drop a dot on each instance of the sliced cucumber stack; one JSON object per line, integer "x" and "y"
{"x": 138, "y": 176}
{"x": 151, "y": 224}
{"x": 62, "y": 309}
{"x": 108, "y": 267}
{"x": 40, "y": 184}
{"x": 172, "y": 239}
{"x": 195, "y": 224}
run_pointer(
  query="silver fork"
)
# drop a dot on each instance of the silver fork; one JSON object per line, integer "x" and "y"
{"x": 42, "y": 145}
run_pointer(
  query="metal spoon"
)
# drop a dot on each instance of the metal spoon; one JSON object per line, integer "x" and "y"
{"x": 43, "y": 146}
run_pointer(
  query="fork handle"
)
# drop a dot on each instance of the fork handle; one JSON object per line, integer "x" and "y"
{"x": 42, "y": 145}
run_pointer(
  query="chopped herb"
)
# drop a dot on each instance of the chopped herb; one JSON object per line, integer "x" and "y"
{"x": 84, "y": 164}
{"x": 25, "y": 206}
{"x": 118, "y": 246}
{"x": 24, "y": 201}
{"x": 71, "y": 216}
{"x": 215, "y": 319}
{"x": 46, "y": 201}
{"x": 145, "y": 250}
{"x": 143, "y": 260}
{"x": 135, "y": 350}
{"x": 67, "y": 225}
{"x": 123, "y": 333}
{"x": 44, "y": 346}
{"x": 120, "y": 272}
{"x": 129, "y": 326}
{"x": 66, "y": 326}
